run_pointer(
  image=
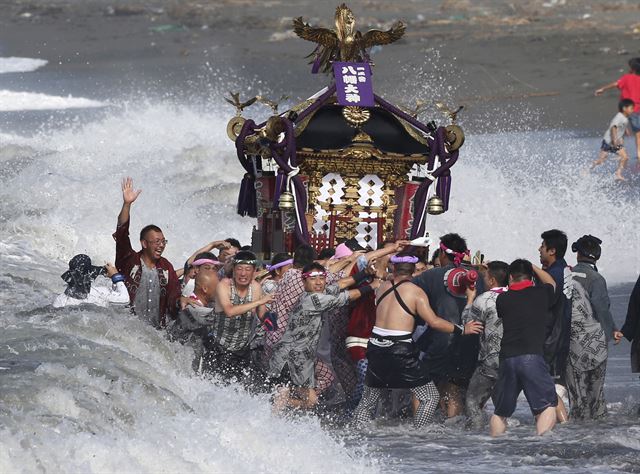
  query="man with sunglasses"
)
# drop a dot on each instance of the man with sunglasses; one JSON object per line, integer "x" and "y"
{"x": 152, "y": 283}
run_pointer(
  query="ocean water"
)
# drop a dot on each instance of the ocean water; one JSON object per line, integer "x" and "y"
{"x": 87, "y": 390}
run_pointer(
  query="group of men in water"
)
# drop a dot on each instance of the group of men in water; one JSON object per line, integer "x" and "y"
{"x": 369, "y": 321}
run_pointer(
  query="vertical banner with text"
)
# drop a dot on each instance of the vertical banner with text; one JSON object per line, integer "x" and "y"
{"x": 353, "y": 84}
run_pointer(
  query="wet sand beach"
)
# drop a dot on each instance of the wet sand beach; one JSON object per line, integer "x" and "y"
{"x": 512, "y": 64}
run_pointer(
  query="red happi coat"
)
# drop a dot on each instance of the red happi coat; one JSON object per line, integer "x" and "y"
{"x": 128, "y": 263}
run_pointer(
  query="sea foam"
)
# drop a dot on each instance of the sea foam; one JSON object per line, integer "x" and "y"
{"x": 13, "y": 64}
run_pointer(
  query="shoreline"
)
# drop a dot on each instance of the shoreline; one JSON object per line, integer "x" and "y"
{"x": 520, "y": 67}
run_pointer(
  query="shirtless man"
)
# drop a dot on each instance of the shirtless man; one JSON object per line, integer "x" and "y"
{"x": 238, "y": 301}
{"x": 393, "y": 359}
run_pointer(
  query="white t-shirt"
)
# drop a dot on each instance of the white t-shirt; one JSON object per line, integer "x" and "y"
{"x": 99, "y": 295}
{"x": 620, "y": 122}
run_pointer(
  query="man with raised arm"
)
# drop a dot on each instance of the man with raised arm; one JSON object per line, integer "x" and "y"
{"x": 238, "y": 301}
{"x": 391, "y": 352}
{"x": 525, "y": 311}
{"x": 152, "y": 283}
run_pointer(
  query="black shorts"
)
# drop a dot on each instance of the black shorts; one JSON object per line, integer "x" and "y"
{"x": 610, "y": 148}
{"x": 228, "y": 364}
{"x": 528, "y": 373}
{"x": 395, "y": 366}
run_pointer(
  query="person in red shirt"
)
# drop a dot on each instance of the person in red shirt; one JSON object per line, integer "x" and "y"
{"x": 152, "y": 283}
{"x": 629, "y": 85}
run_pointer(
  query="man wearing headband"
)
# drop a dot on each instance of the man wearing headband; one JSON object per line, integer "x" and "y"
{"x": 202, "y": 261}
{"x": 290, "y": 290}
{"x": 592, "y": 327}
{"x": 80, "y": 290}
{"x": 443, "y": 354}
{"x": 363, "y": 316}
{"x": 152, "y": 283}
{"x": 239, "y": 306}
{"x": 391, "y": 352}
{"x": 191, "y": 326}
{"x": 294, "y": 355}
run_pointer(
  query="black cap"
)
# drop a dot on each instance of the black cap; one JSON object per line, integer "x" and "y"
{"x": 588, "y": 246}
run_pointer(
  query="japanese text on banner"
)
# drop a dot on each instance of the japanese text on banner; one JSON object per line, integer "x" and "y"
{"x": 353, "y": 84}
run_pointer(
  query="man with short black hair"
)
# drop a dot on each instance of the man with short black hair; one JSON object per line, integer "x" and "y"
{"x": 152, "y": 283}
{"x": 525, "y": 311}
{"x": 443, "y": 353}
{"x": 556, "y": 346}
{"x": 483, "y": 309}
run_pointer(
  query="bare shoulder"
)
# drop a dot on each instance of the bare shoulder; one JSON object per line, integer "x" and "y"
{"x": 256, "y": 287}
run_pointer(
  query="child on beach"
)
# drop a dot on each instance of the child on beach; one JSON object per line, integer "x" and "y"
{"x": 629, "y": 85}
{"x": 613, "y": 141}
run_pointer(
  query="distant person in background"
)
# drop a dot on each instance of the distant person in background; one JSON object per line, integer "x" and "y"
{"x": 435, "y": 260}
{"x": 421, "y": 267}
{"x": 80, "y": 289}
{"x": 629, "y": 85}
{"x": 613, "y": 140}
{"x": 152, "y": 283}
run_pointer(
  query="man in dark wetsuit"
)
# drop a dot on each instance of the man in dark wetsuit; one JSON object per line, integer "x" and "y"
{"x": 152, "y": 283}
{"x": 391, "y": 352}
{"x": 443, "y": 353}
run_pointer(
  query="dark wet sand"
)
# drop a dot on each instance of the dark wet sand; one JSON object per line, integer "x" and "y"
{"x": 514, "y": 67}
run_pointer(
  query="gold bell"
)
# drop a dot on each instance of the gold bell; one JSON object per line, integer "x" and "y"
{"x": 286, "y": 201}
{"x": 435, "y": 205}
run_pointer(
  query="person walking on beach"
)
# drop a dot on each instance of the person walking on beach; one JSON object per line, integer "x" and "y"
{"x": 613, "y": 140}
{"x": 525, "y": 311}
{"x": 629, "y": 85}
{"x": 152, "y": 283}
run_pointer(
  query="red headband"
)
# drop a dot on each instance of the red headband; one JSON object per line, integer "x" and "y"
{"x": 457, "y": 256}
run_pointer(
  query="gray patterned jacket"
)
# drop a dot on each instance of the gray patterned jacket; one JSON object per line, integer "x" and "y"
{"x": 298, "y": 345}
{"x": 483, "y": 309}
{"x": 591, "y": 319}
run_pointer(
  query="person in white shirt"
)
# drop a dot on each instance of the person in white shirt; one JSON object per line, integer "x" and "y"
{"x": 80, "y": 289}
{"x": 613, "y": 141}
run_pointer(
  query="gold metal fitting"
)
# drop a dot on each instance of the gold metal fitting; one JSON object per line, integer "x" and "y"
{"x": 435, "y": 205}
{"x": 455, "y": 137}
{"x": 286, "y": 201}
